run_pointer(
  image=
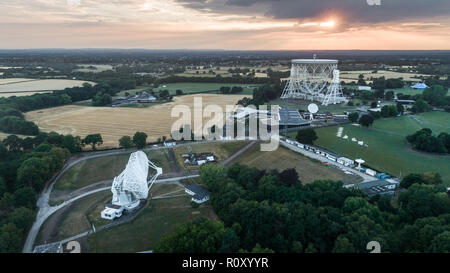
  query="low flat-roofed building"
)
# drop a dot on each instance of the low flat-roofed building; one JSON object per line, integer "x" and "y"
{"x": 49, "y": 248}
{"x": 345, "y": 161}
{"x": 291, "y": 118}
{"x": 381, "y": 187}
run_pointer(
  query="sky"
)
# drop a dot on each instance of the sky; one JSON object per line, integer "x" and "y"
{"x": 226, "y": 24}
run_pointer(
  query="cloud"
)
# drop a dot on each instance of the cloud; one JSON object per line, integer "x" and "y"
{"x": 352, "y": 10}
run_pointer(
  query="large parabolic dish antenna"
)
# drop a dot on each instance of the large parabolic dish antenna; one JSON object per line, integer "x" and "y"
{"x": 315, "y": 80}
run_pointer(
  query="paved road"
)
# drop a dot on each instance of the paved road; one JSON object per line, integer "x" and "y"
{"x": 45, "y": 210}
{"x": 122, "y": 219}
{"x": 365, "y": 177}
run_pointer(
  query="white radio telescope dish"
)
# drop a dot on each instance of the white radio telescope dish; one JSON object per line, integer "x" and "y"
{"x": 313, "y": 108}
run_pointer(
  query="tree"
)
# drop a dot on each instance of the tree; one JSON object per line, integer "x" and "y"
{"x": 10, "y": 238}
{"x": 179, "y": 92}
{"x": 420, "y": 106}
{"x": 22, "y": 218}
{"x": 230, "y": 242}
{"x": 25, "y": 197}
{"x": 389, "y": 111}
{"x": 33, "y": 173}
{"x": 441, "y": 243}
{"x": 198, "y": 236}
{"x": 366, "y": 120}
{"x": 400, "y": 108}
{"x": 126, "y": 142}
{"x": 343, "y": 245}
{"x": 389, "y": 95}
{"x": 93, "y": 140}
{"x": 289, "y": 177}
{"x": 3, "y": 186}
{"x": 307, "y": 136}
{"x": 353, "y": 117}
{"x": 140, "y": 139}
{"x": 72, "y": 143}
{"x": 13, "y": 142}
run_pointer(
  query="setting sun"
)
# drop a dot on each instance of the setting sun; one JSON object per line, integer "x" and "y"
{"x": 327, "y": 24}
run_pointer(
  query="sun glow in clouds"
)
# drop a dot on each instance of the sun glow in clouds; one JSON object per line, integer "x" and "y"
{"x": 327, "y": 24}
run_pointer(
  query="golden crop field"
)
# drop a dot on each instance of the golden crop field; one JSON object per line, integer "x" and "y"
{"x": 349, "y": 76}
{"x": 114, "y": 122}
{"x": 16, "y": 86}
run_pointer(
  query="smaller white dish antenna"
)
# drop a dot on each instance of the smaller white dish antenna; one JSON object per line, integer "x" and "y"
{"x": 313, "y": 108}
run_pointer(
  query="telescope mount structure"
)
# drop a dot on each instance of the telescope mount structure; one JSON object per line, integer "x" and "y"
{"x": 315, "y": 80}
{"x": 131, "y": 186}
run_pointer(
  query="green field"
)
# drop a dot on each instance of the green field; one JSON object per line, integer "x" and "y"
{"x": 308, "y": 170}
{"x": 303, "y": 105}
{"x": 221, "y": 150}
{"x": 407, "y": 91}
{"x": 388, "y": 150}
{"x": 160, "y": 218}
{"x": 194, "y": 87}
{"x": 75, "y": 220}
{"x": 104, "y": 168}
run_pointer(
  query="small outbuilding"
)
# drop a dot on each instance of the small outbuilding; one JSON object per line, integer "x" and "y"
{"x": 198, "y": 193}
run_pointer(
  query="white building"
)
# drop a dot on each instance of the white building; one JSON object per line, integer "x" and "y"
{"x": 367, "y": 88}
{"x": 420, "y": 86}
{"x": 345, "y": 161}
{"x": 198, "y": 193}
{"x": 170, "y": 144}
{"x": 371, "y": 172}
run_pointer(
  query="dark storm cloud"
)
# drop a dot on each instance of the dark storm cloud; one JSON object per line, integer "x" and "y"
{"x": 352, "y": 10}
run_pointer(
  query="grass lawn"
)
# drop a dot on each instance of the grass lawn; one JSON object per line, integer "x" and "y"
{"x": 94, "y": 214}
{"x": 221, "y": 150}
{"x": 388, "y": 150}
{"x": 407, "y": 91}
{"x": 76, "y": 220}
{"x": 194, "y": 87}
{"x": 160, "y": 218}
{"x": 103, "y": 168}
{"x": 308, "y": 170}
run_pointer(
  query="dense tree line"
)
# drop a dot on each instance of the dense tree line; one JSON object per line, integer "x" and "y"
{"x": 25, "y": 166}
{"x": 11, "y": 108}
{"x": 424, "y": 140}
{"x": 389, "y": 111}
{"x": 269, "y": 211}
{"x": 231, "y": 90}
{"x": 263, "y": 94}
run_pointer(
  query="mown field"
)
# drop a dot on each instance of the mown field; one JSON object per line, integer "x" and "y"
{"x": 221, "y": 150}
{"x": 388, "y": 149}
{"x": 25, "y": 87}
{"x": 195, "y": 87}
{"x": 349, "y": 76}
{"x": 160, "y": 218}
{"x": 308, "y": 170}
{"x": 87, "y": 172}
{"x": 84, "y": 213}
{"x": 407, "y": 91}
{"x": 114, "y": 122}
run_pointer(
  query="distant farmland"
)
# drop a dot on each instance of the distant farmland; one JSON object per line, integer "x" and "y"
{"x": 388, "y": 149}
{"x": 26, "y": 87}
{"x": 115, "y": 122}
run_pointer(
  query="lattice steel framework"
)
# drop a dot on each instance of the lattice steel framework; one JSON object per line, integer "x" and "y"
{"x": 310, "y": 80}
{"x": 132, "y": 185}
